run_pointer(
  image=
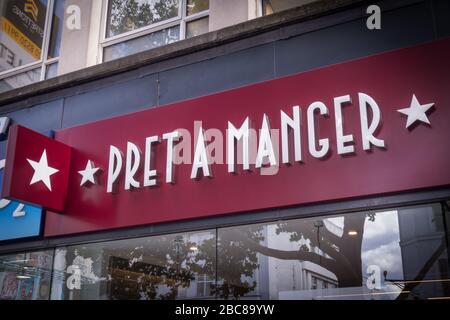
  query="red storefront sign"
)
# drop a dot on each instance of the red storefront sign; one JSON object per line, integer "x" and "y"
{"x": 38, "y": 169}
{"x": 371, "y": 126}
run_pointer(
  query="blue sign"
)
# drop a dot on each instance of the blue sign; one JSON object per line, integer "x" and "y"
{"x": 18, "y": 220}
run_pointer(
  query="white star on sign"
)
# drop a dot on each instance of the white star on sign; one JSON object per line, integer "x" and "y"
{"x": 88, "y": 173}
{"x": 416, "y": 111}
{"x": 42, "y": 171}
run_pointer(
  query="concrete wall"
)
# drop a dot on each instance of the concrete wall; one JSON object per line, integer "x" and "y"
{"x": 75, "y": 39}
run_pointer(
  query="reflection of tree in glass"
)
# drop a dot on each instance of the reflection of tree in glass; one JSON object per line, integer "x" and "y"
{"x": 154, "y": 271}
{"x": 236, "y": 263}
{"x": 238, "y": 248}
{"x": 158, "y": 267}
{"x": 166, "y": 9}
{"x": 339, "y": 254}
{"x": 127, "y": 15}
{"x": 194, "y": 6}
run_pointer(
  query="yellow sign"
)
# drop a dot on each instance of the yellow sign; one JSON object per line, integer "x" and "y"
{"x": 31, "y": 8}
{"x": 20, "y": 38}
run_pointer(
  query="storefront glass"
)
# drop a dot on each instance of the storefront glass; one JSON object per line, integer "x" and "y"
{"x": 176, "y": 266}
{"x": 391, "y": 254}
{"x": 26, "y": 276}
{"x": 397, "y": 253}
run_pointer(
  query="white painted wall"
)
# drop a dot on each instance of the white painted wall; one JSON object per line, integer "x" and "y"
{"x": 79, "y": 46}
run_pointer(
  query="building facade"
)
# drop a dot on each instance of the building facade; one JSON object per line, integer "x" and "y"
{"x": 369, "y": 222}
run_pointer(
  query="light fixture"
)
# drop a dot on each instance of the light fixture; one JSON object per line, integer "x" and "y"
{"x": 318, "y": 224}
{"x": 22, "y": 277}
{"x": 352, "y": 232}
{"x": 193, "y": 248}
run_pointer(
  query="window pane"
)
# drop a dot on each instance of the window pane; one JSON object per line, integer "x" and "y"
{"x": 150, "y": 41}
{"x": 26, "y": 276}
{"x": 194, "y": 6}
{"x": 197, "y": 27}
{"x": 51, "y": 70}
{"x": 162, "y": 267}
{"x": 124, "y": 16}
{"x": 272, "y": 6}
{"x": 22, "y": 32}
{"x": 390, "y": 254}
{"x": 57, "y": 24}
{"x": 20, "y": 80}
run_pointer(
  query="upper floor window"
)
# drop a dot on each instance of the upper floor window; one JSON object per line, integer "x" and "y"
{"x": 273, "y": 6}
{"x": 30, "y": 37}
{"x": 133, "y": 26}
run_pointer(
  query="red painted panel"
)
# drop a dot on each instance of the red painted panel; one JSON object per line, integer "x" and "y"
{"x": 414, "y": 158}
{"x": 27, "y": 149}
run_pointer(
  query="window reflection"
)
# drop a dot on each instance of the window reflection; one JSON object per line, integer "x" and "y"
{"x": 147, "y": 42}
{"x": 22, "y": 39}
{"x": 56, "y": 32}
{"x": 376, "y": 255}
{"x": 22, "y": 32}
{"x": 424, "y": 254}
{"x": 124, "y": 16}
{"x": 146, "y": 24}
{"x": 20, "y": 80}
{"x": 195, "y": 6}
{"x": 25, "y": 276}
{"x": 197, "y": 27}
{"x": 273, "y": 6}
{"x": 51, "y": 71}
{"x": 400, "y": 253}
{"x": 161, "y": 267}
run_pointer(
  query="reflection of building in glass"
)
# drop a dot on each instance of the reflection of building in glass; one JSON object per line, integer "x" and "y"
{"x": 294, "y": 275}
{"x": 422, "y": 242}
{"x": 274, "y": 275}
{"x": 301, "y": 279}
{"x": 152, "y": 268}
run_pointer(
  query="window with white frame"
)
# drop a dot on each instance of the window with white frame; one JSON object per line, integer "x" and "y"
{"x": 132, "y": 26}
{"x": 273, "y": 6}
{"x": 204, "y": 285}
{"x": 30, "y": 38}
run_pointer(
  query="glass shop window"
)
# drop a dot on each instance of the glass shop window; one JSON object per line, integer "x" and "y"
{"x": 388, "y": 254}
{"x": 177, "y": 266}
{"x": 137, "y": 25}
{"x": 397, "y": 253}
{"x": 26, "y": 276}
{"x": 204, "y": 285}
{"x": 30, "y": 37}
